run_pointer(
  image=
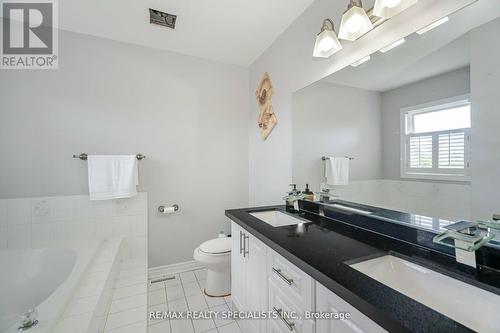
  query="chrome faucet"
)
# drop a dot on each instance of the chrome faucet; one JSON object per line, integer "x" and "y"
{"x": 467, "y": 238}
{"x": 293, "y": 197}
{"x": 28, "y": 320}
{"x": 325, "y": 195}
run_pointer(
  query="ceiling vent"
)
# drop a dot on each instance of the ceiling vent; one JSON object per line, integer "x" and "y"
{"x": 161, "y": 18}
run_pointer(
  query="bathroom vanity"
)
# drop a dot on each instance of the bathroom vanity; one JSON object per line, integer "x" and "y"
{"x": 410, "y": 132}
{"x": 335, "y": 263}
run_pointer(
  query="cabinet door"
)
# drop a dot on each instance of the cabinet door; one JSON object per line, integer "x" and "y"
{"x": 238, "y": 271}
{"x": 326, "y": 301}
{"x": 256, "y": 282}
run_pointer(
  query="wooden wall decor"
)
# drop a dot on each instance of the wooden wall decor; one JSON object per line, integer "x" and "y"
{"x": 267, "y": 119}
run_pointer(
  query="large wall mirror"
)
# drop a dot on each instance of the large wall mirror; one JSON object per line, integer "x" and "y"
{"x": 418, "y": 120}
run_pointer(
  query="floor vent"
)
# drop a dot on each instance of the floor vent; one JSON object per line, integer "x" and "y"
{"x": 163, "y": 279}
{"x": 161, "y": 18}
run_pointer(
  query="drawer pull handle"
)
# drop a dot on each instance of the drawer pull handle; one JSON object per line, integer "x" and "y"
{"x": 246, "y": 246}
{"x": 282, "y": 276}
{"x": 288, "y": 324}
{"x": 241, "y": 243}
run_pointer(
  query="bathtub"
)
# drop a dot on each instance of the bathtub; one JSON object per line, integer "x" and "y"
{"x": 44, "y": 279}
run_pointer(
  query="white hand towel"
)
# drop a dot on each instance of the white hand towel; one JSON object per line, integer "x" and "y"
{"x": 337, "y": 171}
{"x": 112, "y": 177}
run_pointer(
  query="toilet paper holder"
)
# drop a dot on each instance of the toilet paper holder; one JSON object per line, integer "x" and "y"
{"x": 165, "y": 209}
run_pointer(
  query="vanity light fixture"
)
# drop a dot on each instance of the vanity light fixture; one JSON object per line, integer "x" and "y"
{"x": 389, "y": 8}
{"x": 327, "y": 42}
{"x": 393, "y": 45}
{"x": 433, "y": 25}
{"x": 355, "y": 22}
{"x": 361, "y": 61}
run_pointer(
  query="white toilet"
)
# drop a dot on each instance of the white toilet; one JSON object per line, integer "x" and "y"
{"x": 215, "y": 254}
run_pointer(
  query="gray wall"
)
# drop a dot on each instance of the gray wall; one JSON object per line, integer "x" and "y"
{"x": 485, "y": 158}
{"x": 335, "y": 120}
{"x": 439, "y": 87}
{"x": 189, "y": 116}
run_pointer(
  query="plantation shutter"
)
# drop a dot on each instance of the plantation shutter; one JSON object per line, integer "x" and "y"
{"x": 451, "y": 149}
{"x": 420, "y": 151}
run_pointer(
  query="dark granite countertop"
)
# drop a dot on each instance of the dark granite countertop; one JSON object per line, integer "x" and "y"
{"x": 325, "y": 247}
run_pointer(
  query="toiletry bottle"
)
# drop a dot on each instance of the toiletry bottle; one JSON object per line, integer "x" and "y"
{"x": 309, "y": 195}
{"x": 290, "y": 202}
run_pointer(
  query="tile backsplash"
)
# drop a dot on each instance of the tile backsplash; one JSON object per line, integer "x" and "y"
{"x": 41, "y": 221}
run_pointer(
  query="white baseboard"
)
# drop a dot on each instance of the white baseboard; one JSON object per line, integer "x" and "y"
{"x": 174, "y": 268}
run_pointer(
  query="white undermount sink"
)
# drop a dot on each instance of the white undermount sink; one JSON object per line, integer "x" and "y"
{"x": 470, "y": 306}
{"x": 276, "y": 218}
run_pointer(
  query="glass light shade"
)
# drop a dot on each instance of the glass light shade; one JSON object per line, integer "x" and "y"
{"x": 390, "y": 8}
{"x": 355, "y": 23}
{"x": 326, "y": 44}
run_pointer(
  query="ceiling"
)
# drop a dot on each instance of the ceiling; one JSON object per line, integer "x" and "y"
{"x": 393, "y": 70}
{"x": 230, "y": 31}
{"x": 441, "y": 50}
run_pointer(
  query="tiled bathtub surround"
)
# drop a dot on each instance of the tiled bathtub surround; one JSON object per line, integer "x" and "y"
{"x": 446, "y": 201}
{"x": 112, "y": 296}
{"x": 119, "y": 269}
{"x": 36, "y": 222}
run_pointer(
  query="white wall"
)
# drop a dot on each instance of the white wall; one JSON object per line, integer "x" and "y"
{"x": 291, "y": 66}
{"x": 443, "y": 86}
{"x": 334, "y": 120}
{"x": 187, "y": 115}
{"x": 485, "y": 83}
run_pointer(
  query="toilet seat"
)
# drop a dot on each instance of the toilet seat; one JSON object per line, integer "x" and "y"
{"x": 217, "y": 246}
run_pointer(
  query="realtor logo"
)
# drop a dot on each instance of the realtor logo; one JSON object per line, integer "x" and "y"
{"x": 29, "y": 34}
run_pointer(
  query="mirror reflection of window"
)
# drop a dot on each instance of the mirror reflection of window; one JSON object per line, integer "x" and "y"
{"x": 436, "y": 139}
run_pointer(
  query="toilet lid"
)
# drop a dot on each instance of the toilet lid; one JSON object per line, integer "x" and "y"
{"x": 217, "y": 245}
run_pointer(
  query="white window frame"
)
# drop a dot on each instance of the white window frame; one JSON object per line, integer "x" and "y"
{"x": 434, "y": 173}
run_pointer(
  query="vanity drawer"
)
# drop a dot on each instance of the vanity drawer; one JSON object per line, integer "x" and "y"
{"x": 294, "y": 283}
{"x": 279, "y": 303}
{"x": 276, "y": 327}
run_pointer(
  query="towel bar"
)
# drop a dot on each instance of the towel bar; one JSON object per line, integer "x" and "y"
{"x": 324, "y": 158}
{"x": 84, "y": 156}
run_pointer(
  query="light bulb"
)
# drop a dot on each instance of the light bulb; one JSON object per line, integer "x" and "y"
{"x": 391, "y": 3}
{"x": 433, "y": 25}
{"x": 326, "y": 44}
{"x": 354, "y": 23}
{"x": 389, "y": 8}
{"x": 361, "y": 61}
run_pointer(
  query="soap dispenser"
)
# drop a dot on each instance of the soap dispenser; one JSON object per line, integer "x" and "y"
{"x": 290, "y": 199}
{"x": 309, "y": 195}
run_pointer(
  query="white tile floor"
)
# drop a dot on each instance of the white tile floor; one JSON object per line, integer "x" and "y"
{"x": 184, "y": 293}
